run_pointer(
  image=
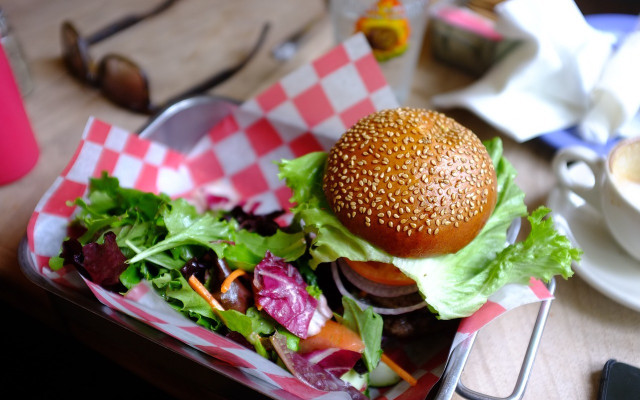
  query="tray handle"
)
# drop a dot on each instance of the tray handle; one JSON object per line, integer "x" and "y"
{"x": 459, "y": 356}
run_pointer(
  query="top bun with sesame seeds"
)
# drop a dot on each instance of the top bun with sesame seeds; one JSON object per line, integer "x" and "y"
{"x": 412, "y": 182}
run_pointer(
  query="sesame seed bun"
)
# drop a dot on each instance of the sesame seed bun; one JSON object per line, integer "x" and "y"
{"x": 412, "y": 182}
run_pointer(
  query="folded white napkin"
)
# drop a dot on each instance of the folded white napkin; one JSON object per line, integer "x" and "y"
{"x": 615, "y": 100}
{"x": 549, "y": 81}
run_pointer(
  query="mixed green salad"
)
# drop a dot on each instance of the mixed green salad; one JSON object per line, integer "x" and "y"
{"x": 122, "y": 236}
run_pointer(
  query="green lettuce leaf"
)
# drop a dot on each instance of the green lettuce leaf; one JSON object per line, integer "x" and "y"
{"x": 110, "y": 207}
{"x": 175, "y": 289}
{"x": 368, "y": 325}
{"x": 453, "y": 285}
{"x": 253, "y": 326}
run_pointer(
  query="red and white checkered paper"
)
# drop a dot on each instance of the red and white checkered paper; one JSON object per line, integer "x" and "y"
{"x": 306, "y": 111}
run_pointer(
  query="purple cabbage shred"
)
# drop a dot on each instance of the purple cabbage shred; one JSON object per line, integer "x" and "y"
{"x": 281, "y": 292}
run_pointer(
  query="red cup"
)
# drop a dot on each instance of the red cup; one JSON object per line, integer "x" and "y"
{"x": 18, "y": 147}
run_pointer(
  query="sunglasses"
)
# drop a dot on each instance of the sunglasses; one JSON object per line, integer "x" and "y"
{"x": 121, "y": 80}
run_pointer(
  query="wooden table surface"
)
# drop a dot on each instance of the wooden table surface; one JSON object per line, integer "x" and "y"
{"x": 198, "y": 37}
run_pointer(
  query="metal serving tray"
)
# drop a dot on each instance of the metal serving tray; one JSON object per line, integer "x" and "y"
{"x": 187, "y": 371}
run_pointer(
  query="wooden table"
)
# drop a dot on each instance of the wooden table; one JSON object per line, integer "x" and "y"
{"x": 198, "y": 37}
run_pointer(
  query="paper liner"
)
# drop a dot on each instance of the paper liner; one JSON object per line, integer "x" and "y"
{"x": 306, "y": 111}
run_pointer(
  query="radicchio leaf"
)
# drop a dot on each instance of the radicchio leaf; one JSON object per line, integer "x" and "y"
{"x": 335, "y": 361}
{"x": 104, "y": 262}
{"x": 72, "y": 253}
{"x": 264, "y": 225}
{"x": 309, "y": 373}
{"x": 281, "y": 292}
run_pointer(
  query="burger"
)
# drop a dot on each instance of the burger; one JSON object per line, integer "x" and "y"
{"x": 409, "y": 210}
{"x": 414, "y": 183}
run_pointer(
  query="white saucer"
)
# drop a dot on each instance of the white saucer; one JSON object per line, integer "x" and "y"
{"x": 604, "y": 264}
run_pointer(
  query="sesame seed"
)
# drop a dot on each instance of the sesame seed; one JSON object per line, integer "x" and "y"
{"x": 434, "y": 169}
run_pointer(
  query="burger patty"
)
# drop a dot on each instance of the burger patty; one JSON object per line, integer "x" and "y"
{"x": 407, "y": 325}
{"x": 415, "y": 324}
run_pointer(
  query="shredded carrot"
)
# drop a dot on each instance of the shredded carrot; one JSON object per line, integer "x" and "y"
{"x": 204, "y": 293}
{"x": 332, "y": 335}
{"x": 229, "y": 279}
{"x": 398, "y": 370}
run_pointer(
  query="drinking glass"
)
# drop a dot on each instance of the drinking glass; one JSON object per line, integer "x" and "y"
{"x": 394, "y": 30}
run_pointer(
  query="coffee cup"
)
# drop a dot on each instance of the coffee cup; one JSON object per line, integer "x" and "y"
{"x": 616, "y": 192}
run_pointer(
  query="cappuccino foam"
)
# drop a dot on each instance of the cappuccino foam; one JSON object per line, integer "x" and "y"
{"x": 625, "y": 169}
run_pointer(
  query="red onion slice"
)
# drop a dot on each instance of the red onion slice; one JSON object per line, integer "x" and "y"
{"x": 371, "y": 287}
{"x": 380, "y": 310}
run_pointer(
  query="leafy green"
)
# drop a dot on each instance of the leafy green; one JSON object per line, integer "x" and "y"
{"x": 304, "y": 175}
{"x": 56, "y": 263}
{"x": 293, "y": 342}
{"x": 453, "y": 285}
{"x": 368, "y": 325}
{"x": 253, "y": 326}
{"x": 111, "y": 207}
{"x": 175, "y": 288}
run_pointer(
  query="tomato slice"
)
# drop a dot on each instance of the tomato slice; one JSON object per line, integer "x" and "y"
{"x": 379, "y": 272}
